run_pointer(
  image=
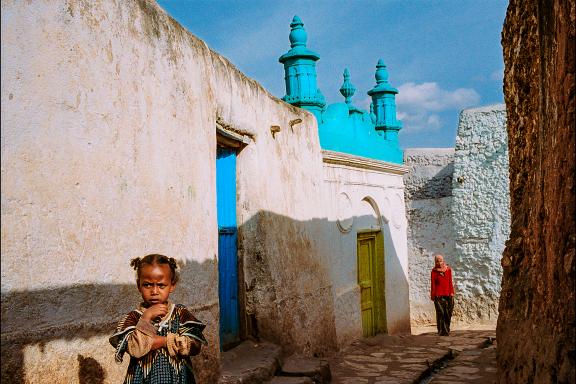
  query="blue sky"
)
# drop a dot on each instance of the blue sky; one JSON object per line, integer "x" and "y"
{"x": 442, "y": 55}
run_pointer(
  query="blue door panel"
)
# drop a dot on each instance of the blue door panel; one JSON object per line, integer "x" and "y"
{"x": 228, "y": 288}
{"x": 226, "y": 187}
{"x": 227, "y": 245}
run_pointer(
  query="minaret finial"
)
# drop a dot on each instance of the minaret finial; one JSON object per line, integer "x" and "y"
{"x": 347, "y": 90}
{"x": 384, "y": 104}
{"x": 381, "y": 72}
{"x": 298, "y": 35}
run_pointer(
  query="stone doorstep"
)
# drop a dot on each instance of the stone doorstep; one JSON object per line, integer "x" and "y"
{"x": 259, "y": 362}
{"x": 250, "y": 363}
{"x": 317, "y": 370}
{"x": 290, "y": 380}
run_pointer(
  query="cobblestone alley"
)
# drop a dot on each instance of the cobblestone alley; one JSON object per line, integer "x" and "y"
{"x": 467, "y": 356}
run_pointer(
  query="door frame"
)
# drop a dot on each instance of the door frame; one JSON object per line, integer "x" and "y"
{"x": 378, "y": 276}
{"x": 234, "y": 139}
{"x": 228, "y": 294}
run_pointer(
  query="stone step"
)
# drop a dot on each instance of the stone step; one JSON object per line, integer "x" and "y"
{"x": 317, "y": 370}
{"x": 291, "y": 380}
{"x": 250, "y": 363}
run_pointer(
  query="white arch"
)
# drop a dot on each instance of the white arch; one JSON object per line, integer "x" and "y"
{"x": 367, "y": 210}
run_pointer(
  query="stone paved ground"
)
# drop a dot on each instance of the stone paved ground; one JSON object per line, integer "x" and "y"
{"x": 386, "y": 359}
{"x": 475, "y": 366}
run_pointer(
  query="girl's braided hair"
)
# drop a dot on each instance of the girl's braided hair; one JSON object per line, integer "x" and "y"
{"x": 138, "y": 262}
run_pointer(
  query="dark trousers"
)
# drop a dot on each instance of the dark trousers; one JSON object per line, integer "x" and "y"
{"x": 444, "y": 306}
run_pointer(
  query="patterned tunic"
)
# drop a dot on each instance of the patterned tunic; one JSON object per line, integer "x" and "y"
{"x": 157, "y": 366}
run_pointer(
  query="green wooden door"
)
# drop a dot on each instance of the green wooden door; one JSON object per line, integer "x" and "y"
{"x": 371, "y": 282}
{"x": 365, "y": 281}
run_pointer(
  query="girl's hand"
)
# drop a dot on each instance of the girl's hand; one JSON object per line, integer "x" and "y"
{"x": 158, "y": 342}
{"x": 155, "y": 311}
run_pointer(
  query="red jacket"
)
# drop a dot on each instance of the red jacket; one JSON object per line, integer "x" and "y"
{"x": 442, "y": 283}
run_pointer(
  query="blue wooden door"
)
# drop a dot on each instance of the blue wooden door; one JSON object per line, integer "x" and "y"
{"x": 227, "y": 246}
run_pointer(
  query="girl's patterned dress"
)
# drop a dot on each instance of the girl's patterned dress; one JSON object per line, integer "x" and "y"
{"x": 157, "y": 366}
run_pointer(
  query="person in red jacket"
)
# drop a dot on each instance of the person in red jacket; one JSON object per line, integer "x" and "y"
{"x": 442, "y": 293}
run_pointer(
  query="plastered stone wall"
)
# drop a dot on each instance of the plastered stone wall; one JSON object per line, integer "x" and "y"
{"x": 536, "y": 333}
{"x": 429, "y": 202}
{"x": 109, "y": 113}
{"x": 480, "y": 210}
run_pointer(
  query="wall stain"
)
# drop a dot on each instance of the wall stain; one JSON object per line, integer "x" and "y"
{"x": 90, "y": 371}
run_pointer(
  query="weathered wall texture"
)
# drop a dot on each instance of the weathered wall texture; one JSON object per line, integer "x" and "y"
{"x": 286, "y": 273}
{"x": 429, "y": 201}
{"x": 365, "y": 195}
{"x": 109, "y": 115}
{"x": 480, "y": 210}
{"x": 458, "y": 204}
{"x": 536, "y": 323}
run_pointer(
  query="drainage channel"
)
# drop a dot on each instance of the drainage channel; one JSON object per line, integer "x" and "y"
{"x": 435, "y": 367}
{"x": 438, "y": 365}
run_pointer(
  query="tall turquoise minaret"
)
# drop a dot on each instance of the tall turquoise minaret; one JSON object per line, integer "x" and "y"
{"x": 300, "y": 72}
{"x": 384, "y": 104}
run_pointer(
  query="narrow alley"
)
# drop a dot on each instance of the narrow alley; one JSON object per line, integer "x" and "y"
{"x": 278, "y": 192}
{"x": 467, "y": 356}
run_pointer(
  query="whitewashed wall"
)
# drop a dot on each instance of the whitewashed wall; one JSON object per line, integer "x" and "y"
{"x": 109, "y": 115}
{"x": 430, "y": 229}
{"x": 481, "y": 210}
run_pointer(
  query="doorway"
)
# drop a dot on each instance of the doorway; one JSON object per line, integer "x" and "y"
{"x": 227, "y": 247}
{"x": 370, "y": 251}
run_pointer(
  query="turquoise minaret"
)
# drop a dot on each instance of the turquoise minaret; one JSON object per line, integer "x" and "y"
{"x": 384, "y": 104}
{"x": 343, "y": 127}
{"x": 300, "y": 72}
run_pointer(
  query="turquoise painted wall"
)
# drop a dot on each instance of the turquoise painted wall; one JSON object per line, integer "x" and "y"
{"x": 342, "y": 126}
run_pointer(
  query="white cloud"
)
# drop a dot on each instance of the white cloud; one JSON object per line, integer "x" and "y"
{"x": 419, "y": 105}
{"x": 430, "y": 97}
{"x": 419, "y": 121}
{"x": 434, "y": 121}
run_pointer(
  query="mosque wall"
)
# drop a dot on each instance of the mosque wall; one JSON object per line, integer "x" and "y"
{"x": 109, "y": 116}
{"x": 458, "y": 205}
{"x": 366, "y": 196}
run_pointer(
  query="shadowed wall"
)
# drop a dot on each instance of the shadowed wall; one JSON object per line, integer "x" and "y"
{"x": 536, "y": 320}
{"x": 109, "y": 119}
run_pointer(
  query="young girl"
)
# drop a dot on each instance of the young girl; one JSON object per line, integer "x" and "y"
{"x": 159, "y": 336}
